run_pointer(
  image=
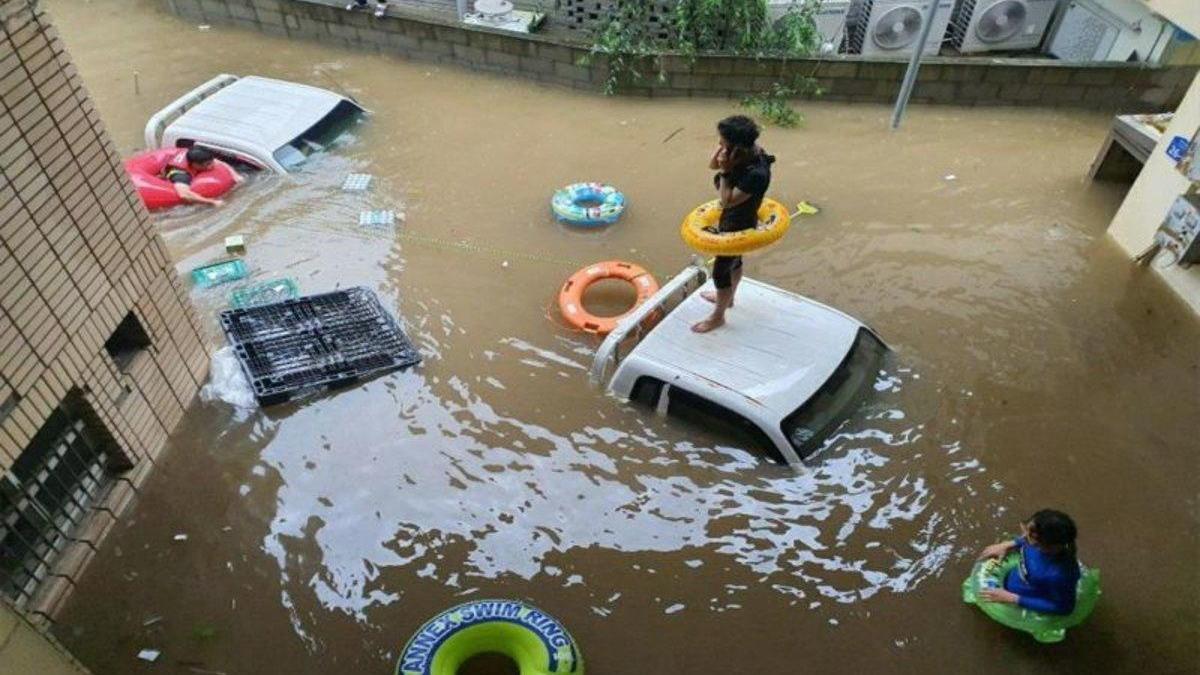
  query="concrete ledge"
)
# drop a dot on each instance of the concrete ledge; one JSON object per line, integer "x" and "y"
{"x": 436, "y": 36}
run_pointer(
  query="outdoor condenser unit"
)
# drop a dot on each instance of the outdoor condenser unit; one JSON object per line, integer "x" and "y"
{"x": 989, "y": 25}
{"x": 892, "y": 27}
{"x": 1108, "y": 30}
{"x": 830, "y": 18}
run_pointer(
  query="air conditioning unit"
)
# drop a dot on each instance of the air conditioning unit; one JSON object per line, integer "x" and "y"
{"x": 989, "y": 25}
{"x": 1108, "y": 30}
{"x": 891, "y": 27}
{"x": 830, "y": 18}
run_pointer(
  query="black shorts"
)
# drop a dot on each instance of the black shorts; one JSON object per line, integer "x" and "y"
{"x": 723, "y": 269}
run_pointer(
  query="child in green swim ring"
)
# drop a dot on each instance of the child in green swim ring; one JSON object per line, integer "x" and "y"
{"x": 1035, "y": 582}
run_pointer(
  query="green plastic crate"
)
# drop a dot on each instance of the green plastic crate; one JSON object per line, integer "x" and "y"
{"x": 219, "y": 273}
{"x": 265, "y": 293}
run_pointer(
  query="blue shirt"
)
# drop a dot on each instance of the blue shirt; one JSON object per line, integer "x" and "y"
{"x": 1044, "y": 584}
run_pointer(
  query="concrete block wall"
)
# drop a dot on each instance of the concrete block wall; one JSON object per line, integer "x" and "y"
{"x": 26, "y": 649}
{"x": 78, "y": 254}
{"x": 555, "y": 59}
{"x": 589, "y": 15}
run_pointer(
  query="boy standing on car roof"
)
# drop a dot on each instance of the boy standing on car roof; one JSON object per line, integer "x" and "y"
{"x": 744, "y": 174}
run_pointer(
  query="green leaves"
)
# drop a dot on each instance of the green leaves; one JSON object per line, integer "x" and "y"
{"x": 633, "y": 37}
{"x": 774, "y": 106}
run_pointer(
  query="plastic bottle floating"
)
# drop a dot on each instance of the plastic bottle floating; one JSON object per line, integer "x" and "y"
{"x": 357, "y": 182}
{"x": 1043, "y": 627}
{"x": 534, "y": 640}
{"x": 377, "y": 218}
{"x": 588, "y": 204}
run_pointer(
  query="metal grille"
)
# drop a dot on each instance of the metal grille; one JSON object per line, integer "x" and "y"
{"x": 44, "y": 497}
{"x": 960, "y": 22}
{"x": 856, "y": 25}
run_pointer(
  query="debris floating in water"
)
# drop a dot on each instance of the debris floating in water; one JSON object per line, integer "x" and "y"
{"x": 235, "y": 244}
{"x": 807, "y": 209}
{"x": 219, "y": 273}
{"x": 150, "y": 655}
{"x": 377, "y": 218}
{"x": 265, "y": 293}
{"x": 227, "y": 382}
{"x": 357, "y": 182}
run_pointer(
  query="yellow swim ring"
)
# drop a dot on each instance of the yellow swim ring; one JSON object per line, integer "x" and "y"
{"x": 700, "y": 229}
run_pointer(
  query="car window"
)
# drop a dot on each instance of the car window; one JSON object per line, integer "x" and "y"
{"x": 646, "y": 391}
{"x": 320, "y": 136}
{"x": 807, "y": 427}
{"x": 738, "y": 430}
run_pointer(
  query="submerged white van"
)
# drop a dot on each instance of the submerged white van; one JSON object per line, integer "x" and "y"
{"x": 784, "y": 372}
{"x": 255, "y": 121}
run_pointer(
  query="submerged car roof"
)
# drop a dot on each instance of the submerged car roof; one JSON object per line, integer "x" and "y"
{"x": 256, "y": 111}
{"x": 776, "y": 349}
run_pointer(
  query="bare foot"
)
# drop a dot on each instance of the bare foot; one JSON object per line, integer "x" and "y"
{"x": 711, "y": 296}
{"x": 707, "y": 325}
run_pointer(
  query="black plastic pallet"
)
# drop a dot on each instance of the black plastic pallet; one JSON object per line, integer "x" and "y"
{"x": 315, "y": 341}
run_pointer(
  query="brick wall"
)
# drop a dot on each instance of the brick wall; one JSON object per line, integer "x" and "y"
{"x": 79, "y": 254}
{"x": 560, "y": 59}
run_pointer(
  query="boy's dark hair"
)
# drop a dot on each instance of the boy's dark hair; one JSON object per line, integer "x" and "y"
{"x": 198, "y": 155}
{"x": 739, "y": 130}
{"x": 1055, "y": 529}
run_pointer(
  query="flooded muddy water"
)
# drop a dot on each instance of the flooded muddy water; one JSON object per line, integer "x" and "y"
{"x": 1033, "y": 367}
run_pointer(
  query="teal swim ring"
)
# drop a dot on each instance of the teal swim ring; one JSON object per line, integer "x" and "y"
{"x": 588, "y": 204}
{"x": 1043, "y": 627}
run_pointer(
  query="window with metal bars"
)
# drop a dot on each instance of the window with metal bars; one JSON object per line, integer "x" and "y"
{"x": 44, "y": 497}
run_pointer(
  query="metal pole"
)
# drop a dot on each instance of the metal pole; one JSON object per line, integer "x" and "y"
{"x": 462, "y": 9}
{"x": 914, "y": 64}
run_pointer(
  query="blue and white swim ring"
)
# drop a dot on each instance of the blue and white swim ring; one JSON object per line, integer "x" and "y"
{"x": 588, "y": 204}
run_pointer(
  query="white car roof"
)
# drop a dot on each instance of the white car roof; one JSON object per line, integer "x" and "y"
{"x": 776, "y": 349}
{"x": 255, "y": 112}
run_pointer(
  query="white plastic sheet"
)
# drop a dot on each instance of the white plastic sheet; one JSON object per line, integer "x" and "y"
{"x": 227, "y": 382}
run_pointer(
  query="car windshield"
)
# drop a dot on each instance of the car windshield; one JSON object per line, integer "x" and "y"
{"x": 811, "y": 423}
{"x": 320, "y": 136}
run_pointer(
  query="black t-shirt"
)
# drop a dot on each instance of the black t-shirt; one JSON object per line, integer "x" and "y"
{"x": 753, "y": 178}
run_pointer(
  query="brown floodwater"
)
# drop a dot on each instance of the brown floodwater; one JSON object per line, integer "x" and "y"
{"x": 1033, "y": 366}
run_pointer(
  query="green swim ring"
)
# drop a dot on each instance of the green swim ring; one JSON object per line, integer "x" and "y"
{"x": 1044, "y": 627}
{"x": 534, "y": 640}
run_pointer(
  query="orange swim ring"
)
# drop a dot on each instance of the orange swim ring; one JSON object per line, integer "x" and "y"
{"x": 570, "y": 298}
